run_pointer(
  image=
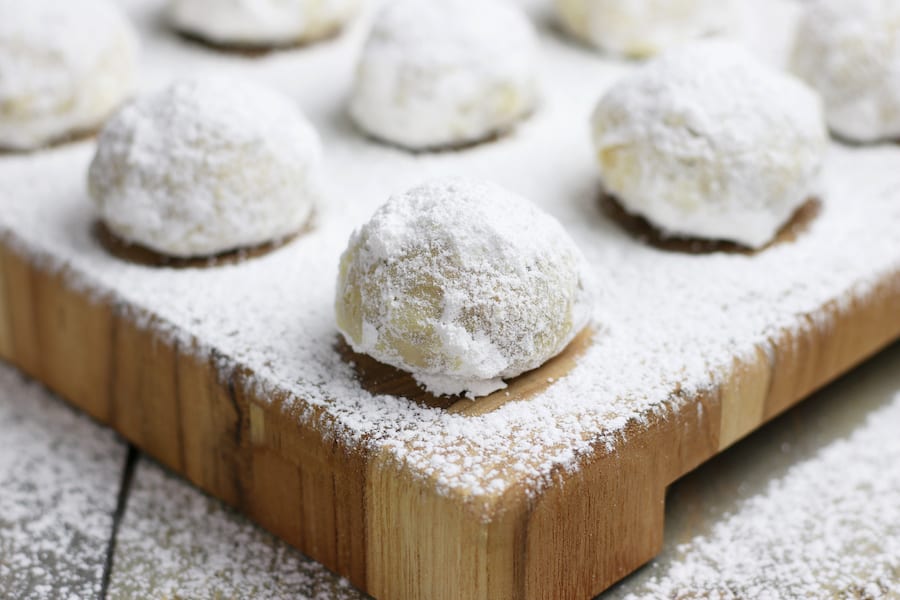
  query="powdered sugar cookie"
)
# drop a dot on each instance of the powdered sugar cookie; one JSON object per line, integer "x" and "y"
{"x": 462, "y": 284}
{"x": 445, "y": 74}
{"x": 64, "y": 67}
{"x": 850, "y": 53}
{"x": 206, "y": 166}
{"x": 707, "y": 142}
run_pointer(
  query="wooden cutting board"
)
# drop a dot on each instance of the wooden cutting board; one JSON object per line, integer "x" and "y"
{"x": 363, "y": 515}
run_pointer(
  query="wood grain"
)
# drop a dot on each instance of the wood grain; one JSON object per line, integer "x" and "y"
{"x": 360, "y": 512}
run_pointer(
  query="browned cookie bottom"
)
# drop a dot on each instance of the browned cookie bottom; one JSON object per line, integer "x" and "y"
{"x": 255, "y": 50}
{"x": 141, "y": 255}
{"x": 71, "y": 137}
{"x": 489, "y": 138}
{"x": 643, "y": 230}
{"x": 379, "y": 378}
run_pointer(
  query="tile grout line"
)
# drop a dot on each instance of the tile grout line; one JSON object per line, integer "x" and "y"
{"x": 121, "y": 501}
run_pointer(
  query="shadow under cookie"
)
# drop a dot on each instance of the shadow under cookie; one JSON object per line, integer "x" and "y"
{"x": 497, "y": 135}
{"x": 644, "y": 231}
{"x": 379, "y": 378}
{"x": 258, "y": 50}
{"x": 141, "y": 255}
{"x": 72, "y": 137}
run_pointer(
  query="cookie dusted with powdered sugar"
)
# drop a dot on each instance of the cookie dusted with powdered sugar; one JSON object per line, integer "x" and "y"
{"x": 462, "y": 284}
{"x": 707, "y": 142}
{"x": 850, "y": 53}
{"x": 261, "y": 23}
{"x": 205, "y": 166}
{"x": 64, "y": 67}
{"x": 437, "y": 75}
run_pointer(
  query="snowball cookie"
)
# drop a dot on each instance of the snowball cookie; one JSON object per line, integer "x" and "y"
{"x": 850, "y": 52}
{"x": 640, "y": 28}
{"x": 461, "y": 283}
{"x": 445, "y": 74}
{"x": 64, "y": 67}
{"x": 258, "y": 23}
{"x": 205, "y": 166}
{"x": 707, "y": 142}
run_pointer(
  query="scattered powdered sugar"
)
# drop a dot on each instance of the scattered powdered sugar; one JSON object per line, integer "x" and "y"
{"x": 206, "y": 165}
{"x": 176, "y": 542}
{"x": 708, "y": 141}
{"x": 828, "y": 523}
{"x": 59, "y": 479}
{"x": 461, "y": 283}
{"x": 665, "y": 320}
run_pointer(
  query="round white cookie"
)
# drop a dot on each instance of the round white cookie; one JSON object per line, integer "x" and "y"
{"x": 850, "y": 53}
{"x": 206, "y": 166}
{"x": 64, "y": 67}
{"x": 261, "y": 23}
{"x": 462, "y": 284}
{"x": 445, "y": 74}
{"x": 640, "y": 28}
{"x": 707, "y": 142}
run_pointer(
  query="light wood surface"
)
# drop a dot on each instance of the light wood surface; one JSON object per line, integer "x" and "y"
{"x": 361, "y": 514}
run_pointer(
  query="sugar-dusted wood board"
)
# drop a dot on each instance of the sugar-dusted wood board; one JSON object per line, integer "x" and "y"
{"x": 234, "y": 375}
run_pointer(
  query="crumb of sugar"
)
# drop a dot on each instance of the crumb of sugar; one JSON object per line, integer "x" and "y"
{"x": 59, "y": 480}
{"x": 668, "y": 319}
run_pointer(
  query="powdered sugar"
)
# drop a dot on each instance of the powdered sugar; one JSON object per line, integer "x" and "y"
{"x": 206, "y": 165}
{"x": 175, "y": 542}
{"x": 809, "y": 508}
{"x": 59, "y": 478}
{"x": 461, "y": 283}
{"x": 707, "y": 141}
{"x": 63, "y": 67}
{"x": 668, "y": 319}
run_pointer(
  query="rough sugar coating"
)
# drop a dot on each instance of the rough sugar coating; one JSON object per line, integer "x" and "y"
{"x": 261, "y": 22}
{"x": 445, "y": 74}
{"x": 64, "y": 67}
{"x": 643, "y": 27}
{"x": 205, "y": 166}
{"x": 850, "y": 52}
{"x": 707, "y": 142}
{"x": 461, "y": 283}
